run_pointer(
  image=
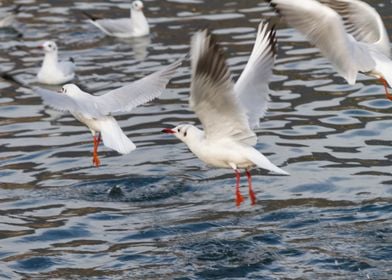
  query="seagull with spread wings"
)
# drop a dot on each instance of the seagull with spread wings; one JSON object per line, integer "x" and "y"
{"x": 228, "y": 111}
{"x": 350, "y": 33}
{"x": 96, "y": 111}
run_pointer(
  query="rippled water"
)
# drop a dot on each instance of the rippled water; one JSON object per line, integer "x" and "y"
{"x": 171, "y": 217}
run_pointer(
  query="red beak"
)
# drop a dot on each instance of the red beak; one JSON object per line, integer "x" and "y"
{"x": 40, "y": 47}
{"x": 168, "y": 131}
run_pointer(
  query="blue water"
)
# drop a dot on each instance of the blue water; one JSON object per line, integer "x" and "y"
{"x": 160, "y": 213}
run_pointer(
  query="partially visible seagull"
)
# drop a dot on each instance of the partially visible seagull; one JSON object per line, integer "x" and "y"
{"x": 10, "y": 18}
{"x": 96, "y": 111}
{"x": 135, "y": 26}
{"x": 350, "y": 33}
{"x": 53, "y": 71}
{"x": 229, "y": 111}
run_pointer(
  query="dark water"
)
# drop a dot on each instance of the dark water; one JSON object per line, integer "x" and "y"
{"x": 172, "y": 217}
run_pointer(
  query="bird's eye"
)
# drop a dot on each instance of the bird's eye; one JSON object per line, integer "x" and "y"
{"x": 185, "y": 134}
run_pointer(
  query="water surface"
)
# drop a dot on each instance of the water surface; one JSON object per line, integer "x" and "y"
{"x": 171, "y": 216}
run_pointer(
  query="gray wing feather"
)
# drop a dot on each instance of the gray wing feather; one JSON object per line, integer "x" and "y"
{"x": 212, "y": 93}
{"x": 67, "y": 67}
{"x": 139, "y": 92}
{"x": 114, "y": 26}
{"x": 252, "y": 86}
{"x": 57, "y": 100}
{"x": 363, "y": 22}
{"x": 324, "y": 28}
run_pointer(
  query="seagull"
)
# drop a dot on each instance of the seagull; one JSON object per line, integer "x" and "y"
{"x": 350, "y": 33}
{"x": 96, "y": 111}
{"x": 228, "y": 112}
{"x": 10, "y": 18}
{"x": 54, "y": 72}
{"x": 135, "y": 26}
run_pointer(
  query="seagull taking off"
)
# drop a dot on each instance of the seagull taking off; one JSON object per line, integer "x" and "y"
{"x": 53, "y": 71}
{"x": 229, "y": 111}
{"x": 350, "y": 33}
{"x": 135, "y": 26}
{"x": 96, "y": 111}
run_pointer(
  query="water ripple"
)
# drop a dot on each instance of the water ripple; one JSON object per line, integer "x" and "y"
{"x": 159, "y": 213}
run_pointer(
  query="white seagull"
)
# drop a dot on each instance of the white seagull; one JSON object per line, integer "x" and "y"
{"x": 229, "y": 111}
{"x": 96, "y": 111}
{"x": 135, "y": 26}
{"x": 53, "y": 71}
{"x": 10, "y": 18}
{"x": 350, "y": 33}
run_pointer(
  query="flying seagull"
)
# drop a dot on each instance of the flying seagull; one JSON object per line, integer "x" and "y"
{"x": 229, "y": 111}
{"x": 350, "y": 33}
{"x": 96, "y": 111}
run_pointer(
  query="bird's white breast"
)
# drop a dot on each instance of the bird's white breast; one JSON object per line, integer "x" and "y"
{"x": 221, "y": 153}
{"x": 91, "y": 123}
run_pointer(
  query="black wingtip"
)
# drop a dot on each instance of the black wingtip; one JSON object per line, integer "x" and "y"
{"x": 272, "y": 39}
{"x": 212, "y": 62}
{"x": 72, "y": 59}
{"x": 90, "y": 16}
{"x": 274, "y": 6}
{"x": 271, "y": 34}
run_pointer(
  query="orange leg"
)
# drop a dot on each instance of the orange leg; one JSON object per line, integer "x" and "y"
{"x": 387, "y": 93}
{"x": 238, "y": 197}
{"x": 97, "y": 140}
{"x": 251, "y": 193}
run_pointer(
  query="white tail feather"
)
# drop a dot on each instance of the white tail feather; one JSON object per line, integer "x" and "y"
{"x": 114, "y": 138}
{"x": 261, "y": 161}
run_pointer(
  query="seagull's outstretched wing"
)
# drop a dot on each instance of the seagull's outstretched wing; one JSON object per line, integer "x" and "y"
{"x": 122, "y": 99}
{"x": 126, "y": 98}
{"x": 212, "y": 93}
{"x": 58, "y": 100}
{"x": 363, "y": 22}
{"x": 323, "y": 27}
{"x": 252, "y": 86}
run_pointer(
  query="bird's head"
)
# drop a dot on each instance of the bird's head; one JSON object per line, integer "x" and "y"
{"x": 137, "y": 5}
{"x": 70, "y": 89}
{"x": 49, "y": 46}
{"x": 184, "y": 132}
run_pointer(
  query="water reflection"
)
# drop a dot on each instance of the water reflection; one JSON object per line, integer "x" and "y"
{"x": 171, "y": 216}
